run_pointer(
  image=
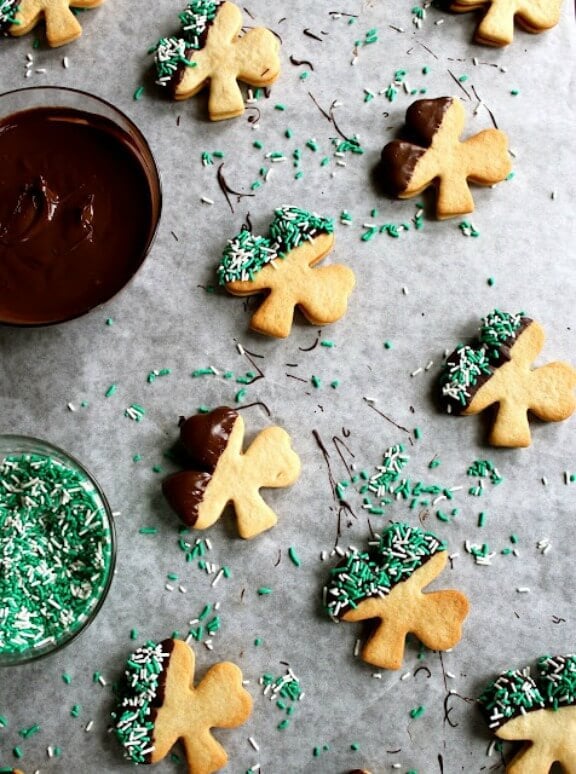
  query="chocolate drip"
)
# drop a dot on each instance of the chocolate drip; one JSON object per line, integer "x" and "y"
{"x": 205, "y": 436}
{"x": 424, "y": 117}
{"x": 158, "y": 700}
{"x": 397, "y": 165}
{"x": 185, "y": 492}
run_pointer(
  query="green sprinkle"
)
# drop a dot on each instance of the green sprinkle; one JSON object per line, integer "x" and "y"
{"x": 136, "y": 458}
{"x": 298, "y": 175}
{"x": 133, "y": 634}
{"x": 514, "y": 92}
{"x": 258, "y": 144}
{"x": 294, "y": 558}
{"x": 75, "y": 711}
{"x": 316, "y": 752}
{"x": 282, "y": 724}
{"x": 263, "y": 591}
{"x": 425, "y": 70}
{"x": 506, "y": 551}
{"x": 172, "y": 576}
{"x": 481, "y": 519}
{"x": 148, "y": 530}
{"x": 388, "y": 345}
{"x": 96, "y": 677}
{"x": 312, "y": 144}
{"x": 3, "y": 721}
{"x": 316, "y": 382}
{"x": 110, "y": 391}
{"x": 258, "y": 641}
{"x": 304, "y": 75}
{"x": 203, "y": 410}
{"x": 354, "y": 746}
{"x": 226, "y": 572}
{"x": 17, "y": 752}
{"x": 434, "y": 463}
{"x": 514, "y": 539}
{"x": 490, "y": 281}
{"x": 334, "y": 384}
{"x": 288, "y": 133}
{"x": 36, "y": 43}
{"x": 26, "y": 733}
{"x": 280, "y": 106}
{"x": 255, "y": 185}
{"x": 135, "y": 412}
{"x": 417, "y": 433}
{"x": 240, "y": 395}
{"x": 510, "y": 176}
{"x": 417, "y": 712}
{"x": 463, "y": 78}
{"x": 325, "y": 161}
{"x": 326, "y": 343}
{"x": 139, "y": 93}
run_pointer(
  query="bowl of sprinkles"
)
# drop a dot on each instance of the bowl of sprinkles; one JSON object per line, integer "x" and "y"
{"x": 57, "y": 549}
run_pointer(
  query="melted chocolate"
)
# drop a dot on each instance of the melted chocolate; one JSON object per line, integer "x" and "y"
{"x": 158, "y": 700}
{"x": 78, "y": 209}
{"x": 424, "y": 117}
{"x": 185, "y": 492}
{"x": 397, "y": 165}
{"x": 205, "y": 436}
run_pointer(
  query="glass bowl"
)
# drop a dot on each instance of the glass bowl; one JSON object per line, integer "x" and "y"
{"x": 80, "y": 203}
{"x": 57, "y": 549}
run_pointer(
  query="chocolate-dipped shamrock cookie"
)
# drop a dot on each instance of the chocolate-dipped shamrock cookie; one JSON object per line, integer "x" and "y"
{"x": 386, "y": 582}
{"x": 17, "y": 17}
{"x": 210, "y": 52}
{"x": 222, "y": 473}
{"x": 282, "y": 264}
{"x": 498, "y": 370}
{"x": 497, "y": 25}
{"x": 438, "y": 157}
{"x": 540, "y": 711}
{"x": 159, "y": 705}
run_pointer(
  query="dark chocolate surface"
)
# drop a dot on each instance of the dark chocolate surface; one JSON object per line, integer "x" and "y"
{"x": 424, "y": 117}
{"x": 397, "y": 165}
{"x": 76, "y": 213}
{"x": 184, "y": 492}
{"x": 205, "y": 436}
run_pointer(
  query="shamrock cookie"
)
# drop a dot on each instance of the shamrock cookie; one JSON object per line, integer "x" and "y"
{"x": 497, "y": 26}
{"x": 282, "y": 263}
{"x": 222, "y": 473}
{"x": 498, "y": 372}
{"x": 540, "y": 711}
{"x": 159, "y": 705}
{"x": 210, "y": 52}
{"x": 386, "y": 583}
{"x": 438, "y": 157}
{"x": 17, "y": 17}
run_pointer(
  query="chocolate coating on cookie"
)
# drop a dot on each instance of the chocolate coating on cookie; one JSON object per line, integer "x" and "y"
{"x": 425, "y": 116}
{"x": 205, "y": 436}
{"x": 185, "y": 492}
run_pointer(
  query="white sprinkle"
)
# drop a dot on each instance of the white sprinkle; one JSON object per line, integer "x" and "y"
{"x": 207, "y": 541}
{"x": 218, "y": 576}
{"x": 89, "y": 726}
{"x": 340, "y": 163}
{"x": 450, "y": 675}
{"x": 544, "y": 480}
{"x": 29, "y": 57}
{"x": 566, "y": 477}
{"x": 323, "y": 556}
{"x": 503, "y": 69}
{"x": 377, "y": 675}
{"x": 439, "y": 22}
{"x": 357, "y": 645}
{"x": 253, "y": 743}
{"x": 28, "y": 74}
{"x": 353, "y": 60}
{"x": 208, "y": 644}
{"x": 168, "y": 587}
{"x": 429, "y": 365}
{"x": 339, "y": 551}
{"x": 101, "y": 680}
{"x": 41, "y": 70}
{"x": 475, "y": 61}
{"x": 240, "y": 348}
{"x": 491, "y": 747}
{"x": 217, "y": 606}
{"x": 245, "y": 682}
{"x": 182, "y": 589}
{"x": 546, "y": 549}
{"x": 206, "y": 200}
{"x": 65, "y": 63}
{"x": 396, "y": 765}
{"x": 553, "y": 195}
{"x": 416, "y": 372}
{"x": 50, "y": 751}
{"x": 406, "y": 675}
{"x": 255, "y": 767}
{"x": 454, "y": 556}
{"x": 523, "y": 590}
{"x": 71, "y": 407}
{"x": 405, "y": 290}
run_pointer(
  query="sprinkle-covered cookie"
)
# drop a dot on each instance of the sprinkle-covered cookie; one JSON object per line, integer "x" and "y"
{"x": 159, "y": 705}
{"x": 209, "y": 51}
{"x": 8, "y": 9}
{"x": 282, "y": 263}
{"x": 540, "y": 711}
{"x": 497, "y": 370}
{"x": 386, "y": 582}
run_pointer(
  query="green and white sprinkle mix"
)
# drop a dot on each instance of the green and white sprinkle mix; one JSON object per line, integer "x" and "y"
{"x": 512, "y": 693}
{"x": 291, "y": 226}
{"x": 391, "y": 559}
{"x": 557, "y": 680}
{"x": 134, "y": 716}
{"x": 8, "y": 11}
{"x": 500, "y": 328}
{"x": 284, "y": 691}
{"x": 461, "y": 372}
{"x": 244, "y": 256}
{"x": 196, "y": 18}
{"x": 169, "y": 54}
{"x": 55, "y": 551}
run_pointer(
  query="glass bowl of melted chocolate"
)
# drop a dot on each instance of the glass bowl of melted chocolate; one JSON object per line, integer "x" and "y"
{"x": 57, "y": 549}
{"x": 80, "y": 201}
